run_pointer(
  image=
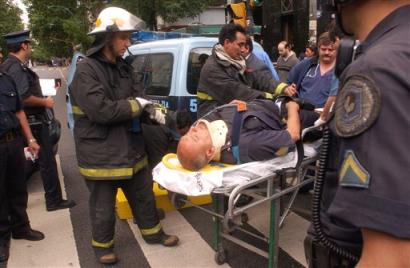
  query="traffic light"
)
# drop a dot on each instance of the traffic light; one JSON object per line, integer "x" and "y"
{"x": 238, "y": 13}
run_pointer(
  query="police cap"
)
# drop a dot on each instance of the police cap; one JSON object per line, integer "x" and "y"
{"x": 17, "y": 37}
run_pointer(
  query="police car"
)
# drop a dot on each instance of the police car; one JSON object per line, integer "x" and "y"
{"x": 168, "y": 69}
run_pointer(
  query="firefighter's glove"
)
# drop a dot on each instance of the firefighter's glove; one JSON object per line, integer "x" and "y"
{"x": 157, "y": 113}
{"x": 143, "y": 102}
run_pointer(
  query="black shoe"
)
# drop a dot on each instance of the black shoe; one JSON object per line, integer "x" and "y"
{"x": 244, "y": 200}
{"x": 62, "y": 205}
{"x": 4, "y": 251}
{"x": 29, "y": 234}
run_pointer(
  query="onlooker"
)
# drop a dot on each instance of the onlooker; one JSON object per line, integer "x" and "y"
{"x": 258, "y": 68}
{"x": 264, "y": 57}
{"x": 35, "y": 105}
{"x": 14, "y": 220}
{"x": 224, "y": 77}
{"x": 313, "y": 76}
{"x": 310, "y": 50}
{"x": 286, "y": 60}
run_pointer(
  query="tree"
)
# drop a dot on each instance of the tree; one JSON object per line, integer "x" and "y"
{"x": 58, "y": 25}
{"x": 10, "y": 20}
{"x": 169, "y": 10}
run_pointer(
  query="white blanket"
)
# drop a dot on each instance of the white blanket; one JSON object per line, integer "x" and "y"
{"x": 204, "y": 182}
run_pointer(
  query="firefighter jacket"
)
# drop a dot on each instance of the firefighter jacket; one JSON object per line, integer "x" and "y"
{"x": 221, "y": 82}
{"x": 107, "y": 134}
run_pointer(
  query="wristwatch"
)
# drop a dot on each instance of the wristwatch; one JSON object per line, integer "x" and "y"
{"x": 31, "y": 141}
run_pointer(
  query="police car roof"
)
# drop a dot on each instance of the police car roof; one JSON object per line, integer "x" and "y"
{"x": 174, "y": 42}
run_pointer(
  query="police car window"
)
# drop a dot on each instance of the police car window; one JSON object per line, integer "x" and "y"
{"x": 138, "y": 68}
{"x": 158, "y": 74}
{"x": 197, "y": 58}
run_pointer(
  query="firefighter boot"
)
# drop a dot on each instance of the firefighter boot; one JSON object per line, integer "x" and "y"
{"x": 105, "y": 255}
{"x": 162, "y": 238}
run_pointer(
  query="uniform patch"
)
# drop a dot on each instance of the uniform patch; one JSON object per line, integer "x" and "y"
{"x": 352, "y": 173}
{"x": 357, "y": 106}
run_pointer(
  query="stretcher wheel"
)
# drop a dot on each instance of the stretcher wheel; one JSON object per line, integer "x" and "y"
{"x": 221, "y": 256}
{"x": 177, "y": 200}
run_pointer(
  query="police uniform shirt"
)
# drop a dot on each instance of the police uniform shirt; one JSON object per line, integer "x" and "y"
{"x": 10, "y": 103}
{"x": 373, "y": 187}
{"x": 26, "y": 80}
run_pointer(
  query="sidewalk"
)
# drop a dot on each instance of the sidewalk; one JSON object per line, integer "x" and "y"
{"x": 58, "y": 248}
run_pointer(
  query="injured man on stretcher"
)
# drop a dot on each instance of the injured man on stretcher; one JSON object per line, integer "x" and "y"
{"x": 235, "y": 134}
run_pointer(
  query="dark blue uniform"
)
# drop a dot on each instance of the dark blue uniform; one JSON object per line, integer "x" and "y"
{"x": 28, "y": 85}
{"x": 262, "y": 133}
{"x": 13, "y": 190}
{"x": 368, "y": 178}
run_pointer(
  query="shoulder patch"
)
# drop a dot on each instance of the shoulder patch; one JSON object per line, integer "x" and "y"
{"x": 357, "y": 106}
{"x": 352, "y": 173}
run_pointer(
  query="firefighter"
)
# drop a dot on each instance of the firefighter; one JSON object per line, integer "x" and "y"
{"x": 109, "y": 143}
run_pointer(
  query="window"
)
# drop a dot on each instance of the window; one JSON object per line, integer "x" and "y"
{"x": 138, "y": 68}
{"x": 154, "y": 71}
{"x": 197, "y": 58}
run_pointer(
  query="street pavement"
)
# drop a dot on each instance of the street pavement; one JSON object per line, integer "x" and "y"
{"x": 68, "y": 235}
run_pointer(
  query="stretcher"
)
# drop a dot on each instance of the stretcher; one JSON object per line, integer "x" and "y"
{"x": 264, "y": 181}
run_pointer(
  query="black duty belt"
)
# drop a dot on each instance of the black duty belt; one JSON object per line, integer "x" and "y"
{"x": 9, "y": 136}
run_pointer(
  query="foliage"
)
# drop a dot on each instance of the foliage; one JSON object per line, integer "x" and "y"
{"x": 169, "y": 10}
{"x": 10, "y": 20}
{"x": 59, "y": 25}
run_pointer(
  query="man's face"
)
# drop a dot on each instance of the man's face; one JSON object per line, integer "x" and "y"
{"x": 120, "y": 43}
{"x": 26, "y": 46}
{"x": 195, "y": 145}
{"x": 309, "y": 52}
{"x": 198, "y": 136}
{"x": 236, "y": 48}
{"x": 245, "y": 52}
{"x": 327, "y": 53}
{"x": 282, "y": 50}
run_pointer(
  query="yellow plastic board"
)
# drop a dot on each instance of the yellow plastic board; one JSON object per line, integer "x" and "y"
{"x": 161, "y": 196}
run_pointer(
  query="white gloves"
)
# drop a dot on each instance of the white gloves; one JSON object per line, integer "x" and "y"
{"x": 143, "y": 102}
{"x": 319, "y": 122}
{"x": 157, "y": 115}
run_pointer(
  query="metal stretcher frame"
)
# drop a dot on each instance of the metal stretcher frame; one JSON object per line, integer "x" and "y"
{"x": 234, "y": 217}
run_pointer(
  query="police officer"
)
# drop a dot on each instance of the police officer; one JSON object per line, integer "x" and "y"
{"x": 365, "y": 209}
{"x": 107, "y": 133}
{"x": 18, "y": 45}
{"x": 13, "y": 191}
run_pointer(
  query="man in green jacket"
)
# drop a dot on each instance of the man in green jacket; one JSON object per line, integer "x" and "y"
{"x": 226, "y": 77}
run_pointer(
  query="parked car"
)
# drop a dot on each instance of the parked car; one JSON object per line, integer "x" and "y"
{"x": 169, "y": 71}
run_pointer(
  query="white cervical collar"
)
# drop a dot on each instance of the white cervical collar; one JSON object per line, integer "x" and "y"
{"x": 218, "y": 131}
